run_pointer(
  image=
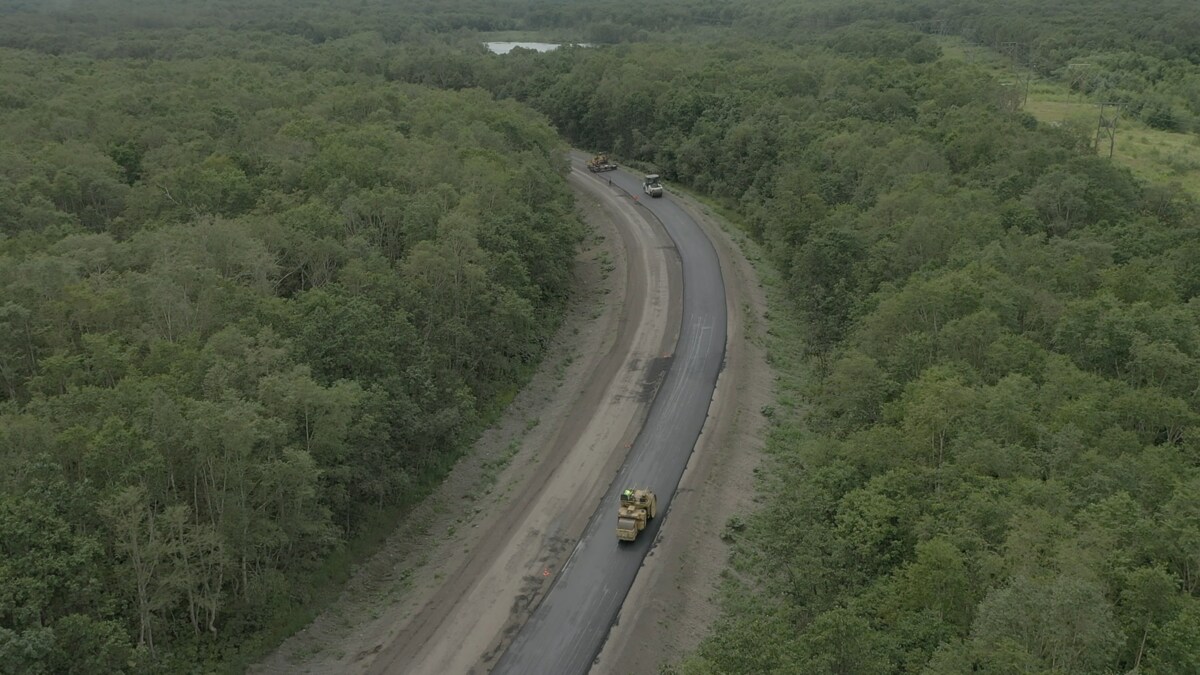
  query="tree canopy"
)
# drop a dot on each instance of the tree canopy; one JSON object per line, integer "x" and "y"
{"x": 263, "y": 267}
{"x": 243, "y": 306}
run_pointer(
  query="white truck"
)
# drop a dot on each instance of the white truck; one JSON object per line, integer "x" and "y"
{"x": 651, "y": 186}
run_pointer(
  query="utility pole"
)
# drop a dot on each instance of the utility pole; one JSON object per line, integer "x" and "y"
{"x": 931, "y": 26}
{"x": 1010, "y": 96}
{"x": 1025, "y": 88}
{"x": 1110, "y": 113}
{"x": 1012, "y": 50}
{"x": 1023, "y": 63}
{"x": 1022, "y": 60}
{"x": 1081, "y": 75}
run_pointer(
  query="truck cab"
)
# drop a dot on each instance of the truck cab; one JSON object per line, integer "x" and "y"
{"x": 651, "y": 186}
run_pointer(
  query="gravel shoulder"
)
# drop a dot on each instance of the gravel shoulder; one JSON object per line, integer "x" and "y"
{"x": 673, "y": 602}
{"x": 464, "y": 568}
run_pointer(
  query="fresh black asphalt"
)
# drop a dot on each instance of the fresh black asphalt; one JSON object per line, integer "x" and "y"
{"x": 566, "y": 631}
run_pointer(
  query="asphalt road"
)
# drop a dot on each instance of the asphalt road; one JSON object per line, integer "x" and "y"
{"x": 565, "y": 633}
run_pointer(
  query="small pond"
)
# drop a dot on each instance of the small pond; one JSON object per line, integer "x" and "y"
{"x": 506, "y": 47}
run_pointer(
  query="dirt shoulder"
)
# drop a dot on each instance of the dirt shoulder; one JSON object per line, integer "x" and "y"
{"x": 673, "y": 601}
{"x": 462, "y": 571}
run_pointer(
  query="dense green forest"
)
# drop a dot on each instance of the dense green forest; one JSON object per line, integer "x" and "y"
{"x": 1145, "y": 56}
{"x": 243, "y": 308}
{"x": 996, "y": 467}
{"x": 985, "y": 457}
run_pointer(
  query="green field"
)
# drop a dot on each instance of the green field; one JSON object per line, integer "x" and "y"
{"x": 1160, "y": 156}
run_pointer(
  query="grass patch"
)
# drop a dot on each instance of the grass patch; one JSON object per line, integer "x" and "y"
{"x": 1151, "y": 154}
{"x": 560, "y": 369}
{"x": 493, "y": 467}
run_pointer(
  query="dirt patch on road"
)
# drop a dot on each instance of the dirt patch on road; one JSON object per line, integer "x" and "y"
{"x": 673, "y": 601}
{"x": 464, "y": 567}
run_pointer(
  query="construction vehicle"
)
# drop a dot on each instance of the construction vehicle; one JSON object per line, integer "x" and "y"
{"x": 651, "y": 186}
{"x": 600, "y": 163}
{"x": 638, "y": 507}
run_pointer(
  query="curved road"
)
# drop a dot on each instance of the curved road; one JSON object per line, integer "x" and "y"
{"x": 565, "y": 633}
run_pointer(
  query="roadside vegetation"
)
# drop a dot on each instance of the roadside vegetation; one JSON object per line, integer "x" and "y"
{"x": 242, "y": 270}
